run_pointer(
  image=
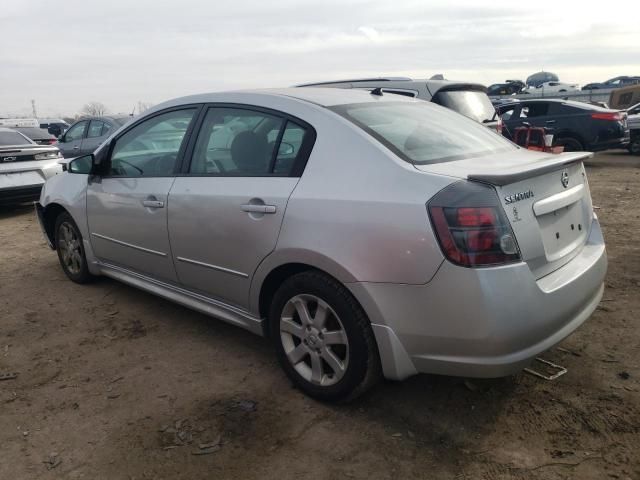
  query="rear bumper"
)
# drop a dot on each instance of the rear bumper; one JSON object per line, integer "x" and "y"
{"x": 22, "y": 181}
{"x": 482, "y": 322}
{"x": 622, "y": 143}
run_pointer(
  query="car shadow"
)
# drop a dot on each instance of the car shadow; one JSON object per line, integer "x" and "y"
{"x": 9, "y": 211}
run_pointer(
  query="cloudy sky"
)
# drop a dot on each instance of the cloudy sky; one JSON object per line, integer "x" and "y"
{"x": 119, "y": 52}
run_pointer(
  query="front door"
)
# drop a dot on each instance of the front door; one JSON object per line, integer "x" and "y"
{"x": 72, "y": 140}
{"x": 225, "y": 213}
{"x": 127, "y": 207}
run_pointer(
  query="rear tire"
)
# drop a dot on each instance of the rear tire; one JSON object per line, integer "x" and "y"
{"x": 71, "y": 249}
{"x": 634, "y": 148}
{"x": 570, "y": 144}
{"x": 323, "y": 339}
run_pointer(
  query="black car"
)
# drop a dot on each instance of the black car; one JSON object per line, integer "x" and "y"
{"x": 575, "y": 125}
{"x": 510, "y": 87}
{"x": 38, "y": 135}
{"x": 616, "y": 82}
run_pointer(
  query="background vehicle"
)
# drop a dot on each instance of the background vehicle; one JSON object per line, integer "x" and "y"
{"x": 616, "y": 82}
{"x": 576, "y": 126}
{"x": 24, "y": 166}
{"x": 468, "y": 99}
{"x": 634, "y": 128}
{"x": 55, "y": 126}
{"x": 86, "y": 135}
{"x": 539, "y": 78}
{"x": 511, "y": 87}
{"x": 260, "y": 216}
{"x": 38, "y": 135}
{"x": 553, "y": 87}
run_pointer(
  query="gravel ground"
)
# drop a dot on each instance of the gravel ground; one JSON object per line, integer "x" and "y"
{"x": 113, "y": 383}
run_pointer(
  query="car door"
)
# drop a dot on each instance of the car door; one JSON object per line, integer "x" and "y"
{"x": 94, "y": 137}
{"x": 71, "y": 142}
{"x": 226, "y": 210}
{"x": 127, "y": 206}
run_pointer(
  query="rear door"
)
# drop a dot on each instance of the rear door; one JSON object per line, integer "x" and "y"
{"x": 127, "y": 207}
{"x": 226, "y": 210}
{"x": 94, "y": 137}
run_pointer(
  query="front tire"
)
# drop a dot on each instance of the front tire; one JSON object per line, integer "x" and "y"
{"x": 323, "y": 339}
{"x": 71, "y": 249}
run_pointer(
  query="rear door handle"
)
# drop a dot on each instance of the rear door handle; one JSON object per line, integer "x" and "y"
{"x": 250, "y": 208}
{"x": 76, "y": 148}
{"x": 550, "y": 121}
{"x": 153, "y": 203}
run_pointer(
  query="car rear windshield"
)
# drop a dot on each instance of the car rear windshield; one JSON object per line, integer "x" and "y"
{"x": 422, "y": 133}
{"x": 12, "y": 138}
{"x": 474, "y": 104}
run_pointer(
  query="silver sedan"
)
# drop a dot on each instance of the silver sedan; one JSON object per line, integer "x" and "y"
{"x": 366, "y": 234}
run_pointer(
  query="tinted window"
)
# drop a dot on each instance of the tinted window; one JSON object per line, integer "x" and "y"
{"x": 12, "y": 138}
{"x": 473, "y": 104}
{"x": 238, "y": 142}
{"x": 536, "y": 109}
{"x": 290, "y": 146}
{"x": 75, "y": 132}
{"x": 421, "y": 133}
{"x": 151, "y": 147}
{"x": 95, "y": 129}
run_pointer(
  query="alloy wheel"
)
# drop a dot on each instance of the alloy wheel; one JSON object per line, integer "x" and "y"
{"x": 314, "y": 340}
{"x": 70, "y": 250}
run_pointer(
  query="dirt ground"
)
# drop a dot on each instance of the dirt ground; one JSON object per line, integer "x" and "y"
{"x": 114, "y": 383}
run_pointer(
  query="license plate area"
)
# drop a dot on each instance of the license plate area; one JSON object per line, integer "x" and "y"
{"x": 20, "y": 179}
{"x": 563, "y": 230}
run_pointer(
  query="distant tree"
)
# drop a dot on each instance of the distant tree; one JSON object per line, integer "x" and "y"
{"x": 143, "y": 107}
{"x": 94, "y": 109}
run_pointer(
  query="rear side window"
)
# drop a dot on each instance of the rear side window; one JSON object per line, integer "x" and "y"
{"x": 474, "y": 104}
{"x": 95, "y": 129}
{"x": 535, "y": 110}
{"x": 421, "y": 133}
{"x": 243, "y": 142}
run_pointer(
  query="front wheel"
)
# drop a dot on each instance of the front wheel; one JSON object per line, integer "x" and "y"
{"x": 71, "y": 250}
{"x": 634, "y": 148}
{"x": 323, "y": 338}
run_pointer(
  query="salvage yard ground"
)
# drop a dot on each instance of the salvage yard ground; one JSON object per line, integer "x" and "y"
{"x": 113, "y": 383}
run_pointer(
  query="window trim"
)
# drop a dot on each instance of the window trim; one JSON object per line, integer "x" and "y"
{"x": 301, "y": 159}
{"x": 197, "y": 107}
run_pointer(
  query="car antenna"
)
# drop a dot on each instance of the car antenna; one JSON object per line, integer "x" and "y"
{"x": 377, "y": 91}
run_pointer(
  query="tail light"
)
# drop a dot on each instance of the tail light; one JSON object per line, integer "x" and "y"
{"x": 610, "y": 116}
{"x": 52, "y": 141}
{"x": 471, "y": 226}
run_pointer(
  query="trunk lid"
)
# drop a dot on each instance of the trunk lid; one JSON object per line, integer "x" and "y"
{"x": 545, "y": 197}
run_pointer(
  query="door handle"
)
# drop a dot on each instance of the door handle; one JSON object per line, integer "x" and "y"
{"x": 153, "y": 203}
{"x": 76, "y": 147}
{"x": 550, "y": 121}
{"x": 250, "y": 208}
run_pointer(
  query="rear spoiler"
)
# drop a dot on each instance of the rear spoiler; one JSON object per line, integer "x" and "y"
{"x": 526, "y": 170}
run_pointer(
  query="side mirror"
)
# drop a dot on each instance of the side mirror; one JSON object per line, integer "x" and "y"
{"x": 82, "y": 165}
{"x": 61, "y": 138}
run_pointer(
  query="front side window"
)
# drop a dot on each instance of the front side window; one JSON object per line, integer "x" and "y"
{"x": 423, "y": 134}
{"x": 75, "y": 132}
{"x": 151, "y": 148}
{"x": 242, "y": 142}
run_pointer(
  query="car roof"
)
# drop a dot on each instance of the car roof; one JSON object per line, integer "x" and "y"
{"x": 326, "y": 97}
